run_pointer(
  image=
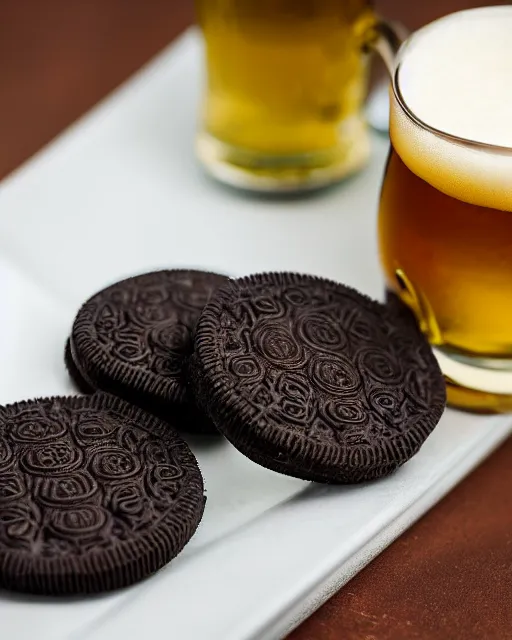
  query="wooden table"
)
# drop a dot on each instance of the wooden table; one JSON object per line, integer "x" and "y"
{"x": 450, "y": 576}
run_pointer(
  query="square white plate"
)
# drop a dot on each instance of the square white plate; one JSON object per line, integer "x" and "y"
{"x": 120, "y": 193}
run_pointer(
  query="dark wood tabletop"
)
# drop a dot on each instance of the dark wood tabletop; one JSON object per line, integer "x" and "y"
{"x": 450, "y": 576}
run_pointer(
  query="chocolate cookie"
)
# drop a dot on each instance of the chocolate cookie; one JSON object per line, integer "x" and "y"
{"x": 132, "y": 339}
{"x": 94, "y": 495}
{"x": 312, "y": 379}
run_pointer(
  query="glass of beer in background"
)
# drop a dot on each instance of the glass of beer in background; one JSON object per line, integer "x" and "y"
{"x": 445, "y": 221}
{"x": 286, "y": 83}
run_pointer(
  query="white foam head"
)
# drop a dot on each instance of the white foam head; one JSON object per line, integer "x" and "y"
{"x": 455, "y": 75}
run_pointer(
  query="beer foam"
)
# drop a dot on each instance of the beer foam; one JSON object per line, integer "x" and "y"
{"x": 455, "y": 75}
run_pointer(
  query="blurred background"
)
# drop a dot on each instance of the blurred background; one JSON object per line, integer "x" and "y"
{"x": 58, "y": 58}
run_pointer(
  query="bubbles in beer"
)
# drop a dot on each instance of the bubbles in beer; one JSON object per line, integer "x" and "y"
{"x": 456, "y": 76}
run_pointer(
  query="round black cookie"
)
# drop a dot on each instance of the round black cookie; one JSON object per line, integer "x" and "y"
{"x": 133, "y": 338}
{"x": 312, "y": 379}
{"x": 95, "y": 495}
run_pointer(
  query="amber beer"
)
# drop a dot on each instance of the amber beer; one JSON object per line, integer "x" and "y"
{"x": 286, "y": 82}
{"x": 445, "y": 222}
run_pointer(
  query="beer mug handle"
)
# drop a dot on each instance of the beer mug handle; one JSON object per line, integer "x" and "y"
{"x": 386, "y": 40}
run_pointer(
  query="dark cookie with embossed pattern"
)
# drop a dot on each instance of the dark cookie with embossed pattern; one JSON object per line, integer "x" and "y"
{"x": 132, "y": 340}
{"x": 95, "y": 495}
{"x": 312, "y": 379}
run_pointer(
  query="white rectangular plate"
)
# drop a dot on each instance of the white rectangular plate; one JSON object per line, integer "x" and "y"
{"x": 120, "y": 193}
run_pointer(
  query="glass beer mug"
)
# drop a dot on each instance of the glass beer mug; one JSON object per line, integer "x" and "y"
{"x": 286, "y": 83}
{"x": 445, "y": 220}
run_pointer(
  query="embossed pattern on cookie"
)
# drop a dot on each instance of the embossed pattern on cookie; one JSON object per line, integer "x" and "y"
{"x": 95, "y": 495}
{"x": 133, "y": 338}
{"x": 311, "y": 378}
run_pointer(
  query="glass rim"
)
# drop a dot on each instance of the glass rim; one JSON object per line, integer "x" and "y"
{"x": 409, "y": 113}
